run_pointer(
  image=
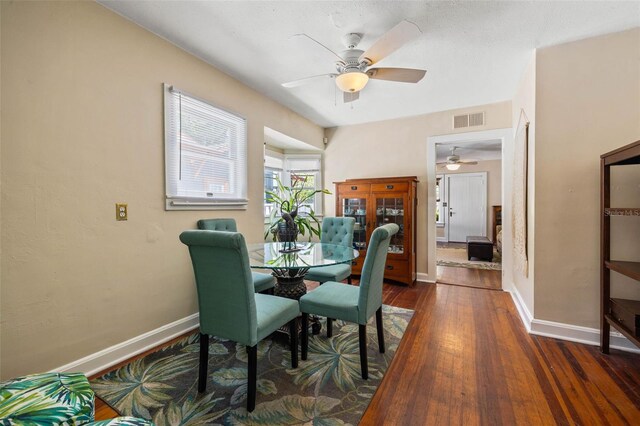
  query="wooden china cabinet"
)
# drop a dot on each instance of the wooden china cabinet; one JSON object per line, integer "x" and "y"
{"x": 376, "y": 202}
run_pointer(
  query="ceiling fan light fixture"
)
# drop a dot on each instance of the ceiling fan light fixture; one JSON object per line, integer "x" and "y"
{"x": 452, "y": 166}
{"x": 352, "y": 81}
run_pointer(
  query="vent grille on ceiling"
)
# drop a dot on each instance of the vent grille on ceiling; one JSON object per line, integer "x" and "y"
{"x": 468, "y": 120}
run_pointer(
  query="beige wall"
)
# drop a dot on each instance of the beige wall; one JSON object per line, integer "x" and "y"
{"x": 1, "y": 317}
{"x": 587, "y": 103}
{"x": 397, "y": 148}
{"x": 494, "y": 185}
{"x": 82, "y": 128}
{"x": 524, "y": 102}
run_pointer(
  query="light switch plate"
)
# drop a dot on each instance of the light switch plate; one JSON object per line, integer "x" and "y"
{"x": 121, "y": 211}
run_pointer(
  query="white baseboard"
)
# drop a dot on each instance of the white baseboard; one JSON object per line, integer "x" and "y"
{"x": 523, "y": 311}
{"x": 572, "y": 333}
{"x": 575, "y": 333}
{"x": 422, "y": 277}
{"x": 107, "y": 357}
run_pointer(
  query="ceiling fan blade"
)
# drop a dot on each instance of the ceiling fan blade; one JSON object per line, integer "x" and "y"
{"x": 391, "y": 41}
{"x": 308, "y": 38}
{"x": 307, "y": 80}
{"x": 467, "y": 162}
{"x": 403, "y": 75}
{"x": 350, "y": 96}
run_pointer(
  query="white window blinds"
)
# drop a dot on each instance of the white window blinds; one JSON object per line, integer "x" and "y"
{"x": 205, "y": 154}
{"x": 303, "y": 163}
{"x": 273, "y": 160}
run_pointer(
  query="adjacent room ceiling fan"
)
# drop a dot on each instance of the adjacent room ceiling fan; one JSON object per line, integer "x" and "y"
{"x": 454, "y": 162}
{"x": 353, "y": 65}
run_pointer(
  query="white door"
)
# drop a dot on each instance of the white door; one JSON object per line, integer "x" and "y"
{"x": 467, "y": 205}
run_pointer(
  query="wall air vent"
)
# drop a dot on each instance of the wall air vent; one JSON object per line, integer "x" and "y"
{"x": 468, "y": 120}
{"x": 476, "y": 119}
{"x": 460, "y": 121}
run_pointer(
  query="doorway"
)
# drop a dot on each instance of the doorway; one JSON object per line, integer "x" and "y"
{"x": 468, "y": 193}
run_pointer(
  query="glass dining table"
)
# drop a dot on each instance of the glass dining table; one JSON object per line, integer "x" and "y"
{"x": 289, "y": 267}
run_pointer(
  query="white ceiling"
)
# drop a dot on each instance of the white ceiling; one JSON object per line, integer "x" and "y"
{"x": 474, "y": 52}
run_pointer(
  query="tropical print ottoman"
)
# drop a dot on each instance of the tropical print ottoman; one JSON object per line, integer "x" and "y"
{"x": 122, "y": 421}
{"x": 53, "y": 399}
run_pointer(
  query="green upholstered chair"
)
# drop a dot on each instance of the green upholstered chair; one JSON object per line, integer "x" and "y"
{"x": 350, "y": 303}
{"x": 261, "y": 282}
{"x": 229, "y": 307}
{"x": 339, "y": 231}
{"x": 53, "y": 399}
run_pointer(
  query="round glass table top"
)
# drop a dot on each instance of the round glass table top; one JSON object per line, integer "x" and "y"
{"x": 306, "y": 255}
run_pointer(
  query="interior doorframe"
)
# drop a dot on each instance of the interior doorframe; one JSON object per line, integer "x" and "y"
{"x": 444, "y": 195}
{"x": 505, "y": 135}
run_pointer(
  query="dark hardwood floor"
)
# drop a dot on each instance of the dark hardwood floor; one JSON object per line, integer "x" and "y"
{"x": 478, "y": 278}
{"x": 467, "y": 359}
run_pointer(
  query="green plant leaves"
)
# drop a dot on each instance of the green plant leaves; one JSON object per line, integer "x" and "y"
{"x": 291, "y": 199}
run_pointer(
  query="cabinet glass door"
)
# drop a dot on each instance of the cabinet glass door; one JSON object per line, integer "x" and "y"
{"x": 357, "y": 208}
{"x": 391, "y": 210}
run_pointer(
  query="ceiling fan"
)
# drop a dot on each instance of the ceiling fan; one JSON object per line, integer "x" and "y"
{"x": 454, "y": 162}
{"x": 353, "y": 65}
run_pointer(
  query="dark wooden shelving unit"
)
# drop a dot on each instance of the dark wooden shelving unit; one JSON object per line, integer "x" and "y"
{"x": 621, "y": 314}
{"x": 622, "y": 212}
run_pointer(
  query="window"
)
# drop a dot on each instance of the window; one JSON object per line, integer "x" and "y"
{"x": 298, "y": 170}
{"x": 303, "y": 171}
{"x": 205, "y": 155}
{"x": 273, "y": 164}
{"x": 306, "y": 182}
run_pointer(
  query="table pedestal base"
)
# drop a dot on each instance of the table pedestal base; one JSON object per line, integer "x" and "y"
{"x": 290, "y": 284}
{"x": 290, "y": 287}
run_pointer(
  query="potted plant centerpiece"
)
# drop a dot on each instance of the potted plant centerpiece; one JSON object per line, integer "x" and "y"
{"x": 292, "y": 217}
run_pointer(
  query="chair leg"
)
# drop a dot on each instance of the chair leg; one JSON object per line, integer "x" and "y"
{"x": 253, "y": 367}
{"x": 329, "y": 327}
{"x": 349, "y": 280}
{"x": 305, "y": 336}
{"x": 204, "y": 361}
{"x": 380, "y": 329}
{"x": 293, "y": 335}
{"x": 362, "y": 337}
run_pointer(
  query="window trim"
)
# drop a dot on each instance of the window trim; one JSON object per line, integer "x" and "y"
{"x": 318, "y": 198}
{"x": 176, "y": 202}
{"x": 286, "y": 175}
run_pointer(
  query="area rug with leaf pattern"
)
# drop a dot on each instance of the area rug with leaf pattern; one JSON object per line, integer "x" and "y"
{"x": 326, "y": 389}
